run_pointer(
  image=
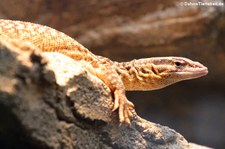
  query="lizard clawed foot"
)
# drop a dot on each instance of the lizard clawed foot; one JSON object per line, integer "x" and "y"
{"x": 125, "y": 107}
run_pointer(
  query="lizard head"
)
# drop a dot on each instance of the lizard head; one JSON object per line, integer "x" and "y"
{"x": 159, "y": 72}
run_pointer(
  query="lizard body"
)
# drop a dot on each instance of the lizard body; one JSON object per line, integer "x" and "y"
{"x": 142, "y": 74}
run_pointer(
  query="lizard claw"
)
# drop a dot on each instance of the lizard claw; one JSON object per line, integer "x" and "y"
{"x": 125, "y": 112}
{"x": 116, "y": 104}
{"x": 124, "y": 106}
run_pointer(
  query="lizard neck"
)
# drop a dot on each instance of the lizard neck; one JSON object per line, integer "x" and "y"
{"x": 136, "y": 77}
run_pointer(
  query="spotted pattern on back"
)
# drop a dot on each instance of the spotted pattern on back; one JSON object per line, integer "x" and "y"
{"x": 45, "y": 38}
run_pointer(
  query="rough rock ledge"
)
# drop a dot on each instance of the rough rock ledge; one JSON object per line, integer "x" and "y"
{"x": 47, "y": 100}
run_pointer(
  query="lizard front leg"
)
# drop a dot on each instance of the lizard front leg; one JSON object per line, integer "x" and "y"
{"x": 110, "y": 77}
{"x": 124, "y": 106}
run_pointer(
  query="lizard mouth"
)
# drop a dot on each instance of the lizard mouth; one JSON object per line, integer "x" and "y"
{"x": 194, "y": 73}
{"x": 200, "y": 72}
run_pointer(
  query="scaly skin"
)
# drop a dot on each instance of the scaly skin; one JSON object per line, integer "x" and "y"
{"x": 142, "y": 74}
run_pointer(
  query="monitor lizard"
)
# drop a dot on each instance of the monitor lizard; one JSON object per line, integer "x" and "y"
{"x": 142, "y": 74}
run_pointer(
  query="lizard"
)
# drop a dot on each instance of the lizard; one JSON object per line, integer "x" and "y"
{"x": 142, "y": 74}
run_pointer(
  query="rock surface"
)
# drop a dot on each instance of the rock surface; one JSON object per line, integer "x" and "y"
{"x": 50, "y": 105}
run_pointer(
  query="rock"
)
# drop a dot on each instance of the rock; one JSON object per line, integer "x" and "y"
{"x": 48, "y": 100}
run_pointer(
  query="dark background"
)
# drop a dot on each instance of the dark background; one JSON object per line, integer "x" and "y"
{"x": 123, "y": 30}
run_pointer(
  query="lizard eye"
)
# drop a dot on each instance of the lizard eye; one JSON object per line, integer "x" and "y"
{"x": 178, "y": 64}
